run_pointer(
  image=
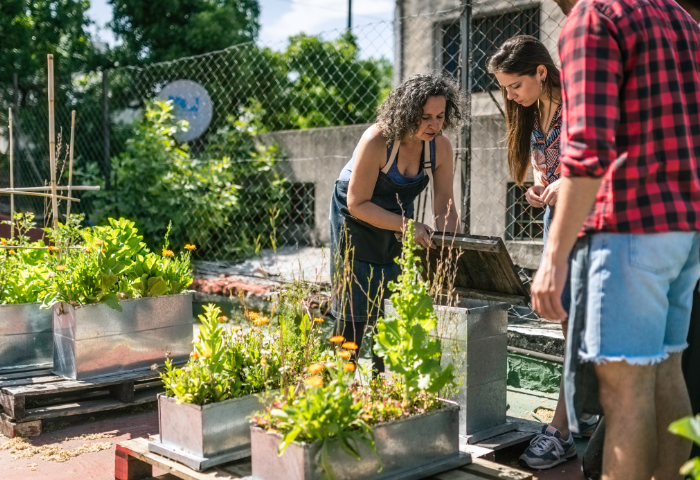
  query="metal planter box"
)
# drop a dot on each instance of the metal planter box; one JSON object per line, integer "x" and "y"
{"x": 96, "y": 340}
{"x": 410, "y": 448}
{"x": 202, "y": 436}
{"x": 26, "y": 337}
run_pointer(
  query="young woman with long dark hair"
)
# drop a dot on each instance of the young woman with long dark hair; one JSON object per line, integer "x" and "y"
{"x": 531, "y": 90}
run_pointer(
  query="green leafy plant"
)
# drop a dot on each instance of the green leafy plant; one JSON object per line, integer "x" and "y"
{"x": 225, "y": 363}
{"x": 689, "y": 427}
{"x": 325, "y": 412}
{"x": 114, "y": 264}
{"x": 403, "y": 339}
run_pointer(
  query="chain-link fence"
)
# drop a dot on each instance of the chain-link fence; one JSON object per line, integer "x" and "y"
{"x": 283, "y": 121}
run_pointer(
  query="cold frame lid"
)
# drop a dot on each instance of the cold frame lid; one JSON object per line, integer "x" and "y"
{"x": 484, "y": 268}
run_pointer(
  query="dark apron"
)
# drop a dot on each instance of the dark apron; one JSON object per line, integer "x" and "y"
{"x": 373, "y": 249}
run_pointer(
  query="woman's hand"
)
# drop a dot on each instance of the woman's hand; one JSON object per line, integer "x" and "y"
{"x": 534, "y": 195}
{"x": 551, "y": 193}
{"x": 423, "y": 235}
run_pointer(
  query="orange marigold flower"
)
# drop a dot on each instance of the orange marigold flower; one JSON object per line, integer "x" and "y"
{"x": 86, "y": 249}
{"x": 349, "y": 367}
{"x": 53, "y": 249}
{"x": 223, "y": 319}
{"x": 168, "y": 253}
{"x": 318, "y": 320}
{"x": 337, "y": 339}
{"x": 207, "y": 354}
{"x": 315, "y": 368}
{"x": 350, "y": 346}
{"x": 104, "y": 250}
{"x": 314, "y": 382}
{"x": 190, "y": 247}
{"x": 12, "y": 252}
{"x": 344, "y": 354}
{"x": 99, "y": 242}
{"x": 61, "y": 268}
{"x": 3, "y": 241}
{"x": 263, "y": 362}
{"x": 195, "y": 354}
{"x": 261, "y": 321}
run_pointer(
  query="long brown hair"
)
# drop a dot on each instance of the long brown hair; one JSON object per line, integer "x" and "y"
{"x": 521, "y": 55}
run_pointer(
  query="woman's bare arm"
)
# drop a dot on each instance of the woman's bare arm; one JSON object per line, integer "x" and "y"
{"x": 370, "y": 158}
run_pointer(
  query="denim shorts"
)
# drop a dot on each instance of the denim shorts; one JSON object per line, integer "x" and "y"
{"x": 636, "y": 292}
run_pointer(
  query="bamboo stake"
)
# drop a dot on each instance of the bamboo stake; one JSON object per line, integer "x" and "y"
{"x": 39, "y": 189}
{"x": 52, "y": 142}
{"x": 70, "y": 161}
{"x": 12, "y": 182}
{"x": 37, "y": 194}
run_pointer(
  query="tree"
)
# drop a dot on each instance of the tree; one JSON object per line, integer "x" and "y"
{"x": 161, "y": 30}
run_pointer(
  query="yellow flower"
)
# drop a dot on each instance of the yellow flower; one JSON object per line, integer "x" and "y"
{"x": 190, "y": 247}
{"x": 344, "y": 354}
{"x": 86, "y": 249}
{"x": 223, "y": 319}
{"x": 53, "y": 249}
{"x": 236, "y": 329}
{"x": 314, "y": 382}
{"x": 61, "y": 268}
{"x": 318, "y": 320}
{"x": 207, "y": 354}
{"x": 98, "y": 242}
{"x": 168, "y": 253}
{"x": 350, "y": 346}
{"x": 315, "y": 368}
{"x": 337, "y": 339}
{"x": 349, "y": 367}
{"x": 261, "y": 321}
{"x": 263, "y": 362}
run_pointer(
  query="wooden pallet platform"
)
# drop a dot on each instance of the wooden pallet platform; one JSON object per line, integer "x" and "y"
{"x": 29, "y": 397}
{"x": 133, "y": 461}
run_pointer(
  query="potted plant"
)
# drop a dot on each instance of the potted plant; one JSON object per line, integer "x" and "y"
{"x": 204, "y": 413}
{"x": 384, "y": 428}
{"x": 26, "y": 337}
{"x": 117, "y": 306}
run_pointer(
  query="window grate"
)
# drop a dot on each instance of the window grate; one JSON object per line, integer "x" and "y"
{"x": 523, "y": 221}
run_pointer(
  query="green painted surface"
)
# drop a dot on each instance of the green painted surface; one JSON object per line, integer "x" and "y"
{"x": 533, "y": 373}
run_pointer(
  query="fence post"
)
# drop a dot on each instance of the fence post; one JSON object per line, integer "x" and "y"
{"x": 466, "y": 82}
{"x": 106, "y": 166}
{"x": 16, "y": 128}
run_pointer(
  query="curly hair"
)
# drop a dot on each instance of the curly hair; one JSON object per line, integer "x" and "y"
{"x": 402, "y": 110}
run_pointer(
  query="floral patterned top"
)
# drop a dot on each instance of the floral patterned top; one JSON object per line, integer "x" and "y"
{"x": 545, "y": 151}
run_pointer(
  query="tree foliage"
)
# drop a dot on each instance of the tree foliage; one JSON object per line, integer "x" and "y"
{"x": 160, "y": 30}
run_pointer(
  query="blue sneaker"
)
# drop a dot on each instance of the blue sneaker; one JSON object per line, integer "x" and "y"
{"x": 548, "y": 450}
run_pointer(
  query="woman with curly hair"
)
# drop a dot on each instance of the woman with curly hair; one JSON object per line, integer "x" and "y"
{"x": 373, "y": 197}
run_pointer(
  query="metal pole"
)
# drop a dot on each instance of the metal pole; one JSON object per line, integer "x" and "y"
{"x": 466, "y": 82}
{"x": 52, "y": 142}
{"x": 12, "y": 183}
{"x": 349, "y": 15}
{"x": 15, "y": 100}
{"x": 70, "y": 160}
{"x": 105, "y": 127}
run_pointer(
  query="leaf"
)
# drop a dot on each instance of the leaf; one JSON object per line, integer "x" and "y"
{"x": 156, "y": 287}
{"x": 108, "y": 279}
{"x": 288, "y": 438}
{"x": 688, "y": 427}
{"x": 112, "y": 301}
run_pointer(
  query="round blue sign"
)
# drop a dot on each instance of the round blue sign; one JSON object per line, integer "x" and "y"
{"x": 192, "y": 103}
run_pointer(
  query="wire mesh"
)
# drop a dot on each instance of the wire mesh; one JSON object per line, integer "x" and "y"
{"x": 310, "y": 99}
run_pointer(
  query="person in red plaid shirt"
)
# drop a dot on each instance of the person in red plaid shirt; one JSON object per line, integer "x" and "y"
{"x": 630, "y": 193}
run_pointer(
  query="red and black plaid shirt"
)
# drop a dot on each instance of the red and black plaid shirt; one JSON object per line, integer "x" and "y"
{"x": 631, "y": 92}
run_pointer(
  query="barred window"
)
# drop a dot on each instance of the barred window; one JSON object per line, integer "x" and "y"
{"x": 523, "y": 221}
{"x": 489, "y": 33}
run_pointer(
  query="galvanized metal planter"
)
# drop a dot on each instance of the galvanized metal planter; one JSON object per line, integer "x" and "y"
{"x": 407, "y": 449}
{"x": 26, "y": 337}
{"x": 96, "y": 340}
{"x": 474, "y": 339}
{"x": 207, "y": 435}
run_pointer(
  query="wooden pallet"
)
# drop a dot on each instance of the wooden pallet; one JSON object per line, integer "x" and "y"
{"x": 133, "y": 461}
{"x": 29, "y": 397}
